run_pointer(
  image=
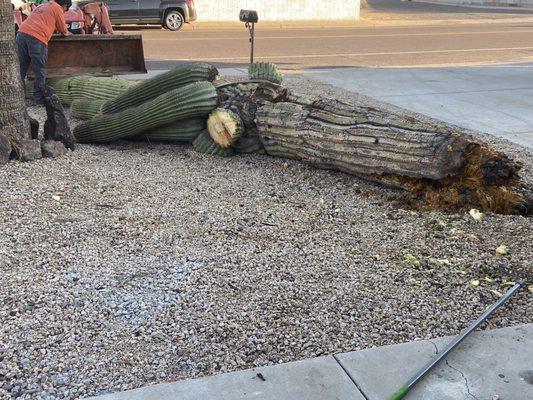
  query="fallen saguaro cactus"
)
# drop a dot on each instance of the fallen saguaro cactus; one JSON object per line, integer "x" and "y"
{"x": 194, "y": 100}
{"x": 98, "y": 88}
{"x": 437, "y": 165}
{"x": 62, "y": 89}
{"x": 225, "y": 127}
{"x": 151, "y": 88}
{"x": 243, "y": 99}
{"x": 333, "y": 135}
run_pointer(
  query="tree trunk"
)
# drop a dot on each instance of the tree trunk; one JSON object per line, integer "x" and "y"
{"x": 14, "y": 120}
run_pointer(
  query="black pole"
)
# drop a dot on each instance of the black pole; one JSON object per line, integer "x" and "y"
{"x": 402, "y": 392}
{"x": 252, "y": 39}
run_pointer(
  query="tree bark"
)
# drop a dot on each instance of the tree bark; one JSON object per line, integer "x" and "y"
{"x": 14, "y": 120}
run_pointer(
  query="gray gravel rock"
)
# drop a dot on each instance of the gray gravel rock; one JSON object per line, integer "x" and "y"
{"x": 29, "y": 150}
{"x": 52, "y": 148}
{"x": 133, "y": 264}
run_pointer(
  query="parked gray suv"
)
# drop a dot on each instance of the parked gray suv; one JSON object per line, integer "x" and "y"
{"x": 170, "y": 14}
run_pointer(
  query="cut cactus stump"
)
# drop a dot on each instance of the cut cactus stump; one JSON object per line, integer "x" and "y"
{"x": 225, "y": 127}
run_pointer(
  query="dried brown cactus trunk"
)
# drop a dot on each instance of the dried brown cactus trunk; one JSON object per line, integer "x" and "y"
{"x": 444, "y": 167}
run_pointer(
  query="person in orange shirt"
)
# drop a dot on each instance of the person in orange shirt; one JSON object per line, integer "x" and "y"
{"x": 33, "y": 37}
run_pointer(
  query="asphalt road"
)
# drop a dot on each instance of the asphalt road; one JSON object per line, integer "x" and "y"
{"x": 392, "y": 33}
{"x": 345, "y": 47}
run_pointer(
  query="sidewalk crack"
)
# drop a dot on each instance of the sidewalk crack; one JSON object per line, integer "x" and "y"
{"x": 434, "y": 345}
{"x": 465, "y": 379}
{"x": 351, "y": 378}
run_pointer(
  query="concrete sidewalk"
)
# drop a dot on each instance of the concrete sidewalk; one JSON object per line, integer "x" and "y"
{"x": 494, "y": 364}
{"x": 494, "y": 99}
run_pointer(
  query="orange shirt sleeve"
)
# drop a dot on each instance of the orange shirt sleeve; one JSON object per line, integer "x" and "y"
{"x": 61, "y": 25}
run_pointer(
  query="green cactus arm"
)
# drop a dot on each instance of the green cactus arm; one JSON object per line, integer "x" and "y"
{"x": 205, "y": 144}
{"x": 191, "y": 101}
{"x": 265, "y": 71}
{"x": 85, "y": 109}
{"x": 181, "y": 131}
{"x": 156, "y": 86}
{"x": 86, "y": 87}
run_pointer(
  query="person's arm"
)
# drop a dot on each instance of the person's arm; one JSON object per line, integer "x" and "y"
{"x": 61, "y": 25}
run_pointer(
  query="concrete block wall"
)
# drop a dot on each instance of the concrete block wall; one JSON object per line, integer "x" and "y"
{"x": 278, "y": 10}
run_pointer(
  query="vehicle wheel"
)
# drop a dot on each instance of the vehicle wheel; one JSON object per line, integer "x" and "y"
{"x": 173, "y": 20}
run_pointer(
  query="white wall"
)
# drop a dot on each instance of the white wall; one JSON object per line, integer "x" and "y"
{"x": 497, "y": 3}
{"x": 278, "y": 10}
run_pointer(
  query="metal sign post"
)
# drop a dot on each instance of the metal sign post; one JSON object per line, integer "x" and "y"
{"x": 251, "y": 28}
{"x": 250, "y": 18}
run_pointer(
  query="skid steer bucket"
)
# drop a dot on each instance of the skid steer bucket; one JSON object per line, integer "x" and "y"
{"x": 95, "y": 55}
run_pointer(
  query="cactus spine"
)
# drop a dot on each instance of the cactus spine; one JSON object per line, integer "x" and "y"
{"x": 204, "y": 144}
{"x": 153, "y": 87}
{"x": 194, "y": 100}
{"x": 266, "y": 71}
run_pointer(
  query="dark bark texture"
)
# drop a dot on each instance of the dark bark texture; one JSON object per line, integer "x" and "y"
{"x": 14, "y": 121}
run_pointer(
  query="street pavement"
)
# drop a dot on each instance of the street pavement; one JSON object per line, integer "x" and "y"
{"x": 493, "y": 364}
{"x": 334, "y": 47}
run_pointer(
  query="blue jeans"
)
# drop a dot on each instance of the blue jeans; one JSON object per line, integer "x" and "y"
{"x": 35, "y": 53}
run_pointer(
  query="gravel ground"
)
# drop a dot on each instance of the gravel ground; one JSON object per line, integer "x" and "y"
{"x": 132, "y": 264}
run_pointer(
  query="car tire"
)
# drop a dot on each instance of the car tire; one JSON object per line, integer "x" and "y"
{"x": 173, "y": 21}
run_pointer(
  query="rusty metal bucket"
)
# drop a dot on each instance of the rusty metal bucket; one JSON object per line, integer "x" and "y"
{"x": 95, "y": 55}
